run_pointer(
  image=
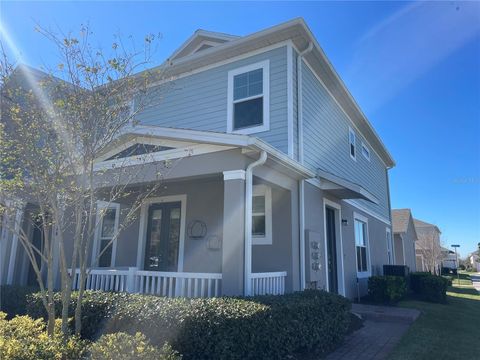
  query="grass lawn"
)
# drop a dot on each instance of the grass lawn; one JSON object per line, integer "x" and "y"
{"x": 444, "y": 331}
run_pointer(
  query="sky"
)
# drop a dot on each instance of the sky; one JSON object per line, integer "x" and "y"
{"x": 414, "y": 69}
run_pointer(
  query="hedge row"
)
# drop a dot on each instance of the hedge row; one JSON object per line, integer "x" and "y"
{"x": 429, "y": 287}
{"x": 263, "y": 327}
{"x": 387, "y": 289}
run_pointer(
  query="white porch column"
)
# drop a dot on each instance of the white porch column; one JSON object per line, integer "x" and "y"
{"x": 13, "y": 250}
{"x": 233, "y": 232}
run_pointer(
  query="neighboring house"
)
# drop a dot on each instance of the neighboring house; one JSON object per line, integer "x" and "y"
{"x": 474, "y": 260}
{"x": 264, "y": 119}
{"x": 404, "y": 239}
{"x": 427, "y": 247}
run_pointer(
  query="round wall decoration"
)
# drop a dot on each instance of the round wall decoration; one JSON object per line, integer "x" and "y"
{"x": 197, "y": 229}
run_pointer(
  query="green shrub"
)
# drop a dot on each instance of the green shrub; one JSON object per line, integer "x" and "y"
{"x": 23, "y": 338}
{"x": 387, "y": 289}
{"x": 263, "y": 327}
{"x": 97, "y": 308}
{"x": 122, "y": 346}
{"x": 429, "y": 287}
{"x": 415, "y": 277}
{"x": 13, "y": 299}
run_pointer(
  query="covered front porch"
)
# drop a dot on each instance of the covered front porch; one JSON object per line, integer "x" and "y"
{"x": 207, "y": 231}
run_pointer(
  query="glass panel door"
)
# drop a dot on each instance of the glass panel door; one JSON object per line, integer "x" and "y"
{"x": 163, "y": 237}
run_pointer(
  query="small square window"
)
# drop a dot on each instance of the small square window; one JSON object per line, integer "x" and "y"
{"x": 365, "y": 152}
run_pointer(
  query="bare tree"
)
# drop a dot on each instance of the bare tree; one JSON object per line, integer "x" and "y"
{"x": 53, "y": 127}
{"x": 429, "y": 244}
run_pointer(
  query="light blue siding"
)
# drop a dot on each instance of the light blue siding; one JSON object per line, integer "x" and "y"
{"x": 199, "y": 101}
{"x": 326, "y": 144}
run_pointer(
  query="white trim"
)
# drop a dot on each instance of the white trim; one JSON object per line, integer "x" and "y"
{"x": 265, "y": 66}
{"x": 338, "y": 223}
{"x": 266, "y": 191}
{"x": 367, "y": 211}
{"x": 301, "y": 227}
{"x": 390, "y": 254}
{"x": 142, "y": 232}
{"x": 234, "y": 175}
{"x": 365, "y": 149}
{"x": 143, "y": 139}
{"x": 290, "y": 99}
{"x": 403, "y": 249}
{"x": 102, "y": 205}
{"x": 362, "y": 274}
{"x": 205, "y": 42}
{"x": 173, "y": 154}
{"x": 13, "y": 250}
{"x": 350, "y": 133}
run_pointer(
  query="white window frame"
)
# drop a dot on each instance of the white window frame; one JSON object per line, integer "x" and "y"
{"x": 350, "y": 132}
{"x": 265, "y": 126}
{"x": 263, "y": 190}
{"x": 366, "y": 151}
{"x": 362, "y": 274}
{"x": 390, "y": 253}
{"x": 104, "y": 205}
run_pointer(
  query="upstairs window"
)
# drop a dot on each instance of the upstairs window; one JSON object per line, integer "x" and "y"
{"x": 352, "y": 138}
{"x": 248, "y": 99}
{"x": 365, "y": 152}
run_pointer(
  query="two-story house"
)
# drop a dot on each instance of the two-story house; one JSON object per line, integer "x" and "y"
{"x": 285, "y": 185}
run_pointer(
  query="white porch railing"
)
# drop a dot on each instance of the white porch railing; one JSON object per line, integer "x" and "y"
{"x": 270, "y": 283}
{"x": 170, "y": 284}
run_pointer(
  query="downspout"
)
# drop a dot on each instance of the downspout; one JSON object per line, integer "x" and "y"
{"x": 301, "y": 190}
{"x": 248, "y": 220}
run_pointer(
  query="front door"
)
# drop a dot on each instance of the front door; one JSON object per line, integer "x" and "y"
{"x": 331, "y": 251}
{"x": 163, "y": 237}
{"x": 38, "y": 243}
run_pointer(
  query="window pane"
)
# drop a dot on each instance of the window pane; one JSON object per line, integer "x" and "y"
{"x": 359, "y": 259}
{"x": 240, "y": 92}
{"x": 248, "y": 84}
{"x": 352, "y": 150}
{"x": 108, "y": 224}
{"x": 258, "y": 204}
{"x": 248, "y": 113}
{"x": 106, "y": 258}
{"x": 155, "y": 234}
{"x": 258, "y": 225}
{"x": 364, "y": 258}
{"x": 255, "y": 76}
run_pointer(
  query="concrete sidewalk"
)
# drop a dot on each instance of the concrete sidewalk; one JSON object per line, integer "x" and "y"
{"x": 383, "y": 328}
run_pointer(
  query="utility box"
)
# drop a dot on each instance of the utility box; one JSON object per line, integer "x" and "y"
{"x": 313, "y": 258}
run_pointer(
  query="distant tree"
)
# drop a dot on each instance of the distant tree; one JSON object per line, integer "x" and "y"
{"x": 52, "y": 129}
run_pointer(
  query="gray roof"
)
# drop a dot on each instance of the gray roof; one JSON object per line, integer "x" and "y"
{"x": 400, "y": 220}
{"x": 423, "y": 224}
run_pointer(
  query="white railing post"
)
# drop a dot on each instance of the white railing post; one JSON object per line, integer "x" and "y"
{"x": 131, "y": 279}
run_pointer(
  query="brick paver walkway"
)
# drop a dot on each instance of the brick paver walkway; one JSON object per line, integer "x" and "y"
{"x": 382, "y": 330}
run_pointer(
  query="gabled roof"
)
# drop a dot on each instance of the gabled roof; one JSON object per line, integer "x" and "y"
{"x": 402, "y": 219}
{"x": 422, "y": 224}
{"x": 201, "y": 40}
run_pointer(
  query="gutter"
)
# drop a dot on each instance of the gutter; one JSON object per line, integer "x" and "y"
{"x": 301, "y": 190}
{"x": 248, "y": 219}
